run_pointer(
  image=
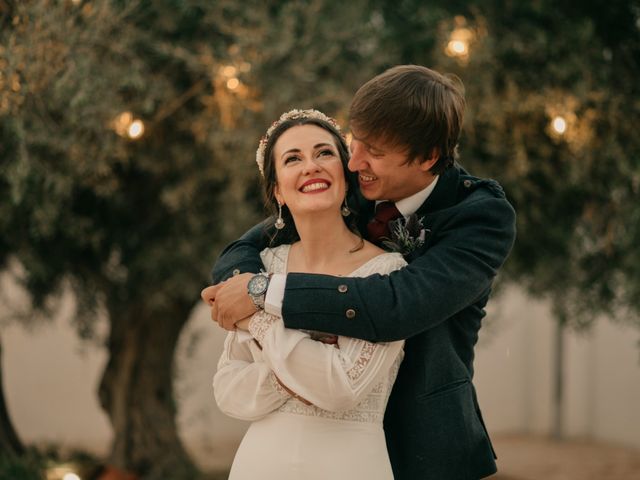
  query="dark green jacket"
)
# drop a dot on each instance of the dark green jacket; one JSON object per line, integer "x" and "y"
{"x": 433, "y": 424}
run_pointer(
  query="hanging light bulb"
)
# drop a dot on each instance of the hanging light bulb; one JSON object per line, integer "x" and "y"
{"x": 135, "y": 130}
{"x": 559, "y": 124}
{"x": 233, "y": 83}
{"x": 459, "y": 40}
{"x": 457, "y": 48}
{"x": 229, "y": 71}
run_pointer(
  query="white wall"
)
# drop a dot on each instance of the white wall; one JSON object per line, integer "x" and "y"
{"x": 51, "y": 380}
{"x": 514, "y": 367}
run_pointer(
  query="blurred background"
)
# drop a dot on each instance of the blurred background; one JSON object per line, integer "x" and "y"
{"x": 128, "y": 132}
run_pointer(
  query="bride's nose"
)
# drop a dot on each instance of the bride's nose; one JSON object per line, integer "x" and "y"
{"x": 310, "y": 165}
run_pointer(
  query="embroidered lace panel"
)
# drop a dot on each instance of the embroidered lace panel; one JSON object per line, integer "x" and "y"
{"x": 371, "y": 408}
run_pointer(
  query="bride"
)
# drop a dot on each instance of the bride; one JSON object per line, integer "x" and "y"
{"x": 317, "y": 408}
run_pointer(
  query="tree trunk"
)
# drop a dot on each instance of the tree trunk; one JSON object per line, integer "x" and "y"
{"x": 9, "y": 442}
{"x": 137, "y": 392}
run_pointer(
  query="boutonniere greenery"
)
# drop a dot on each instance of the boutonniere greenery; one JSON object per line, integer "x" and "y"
{"x": 406, "y": 234}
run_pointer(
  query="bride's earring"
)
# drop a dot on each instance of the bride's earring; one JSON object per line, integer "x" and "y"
{"x": 279, "y": 221}
{"x": 345, "y": 208}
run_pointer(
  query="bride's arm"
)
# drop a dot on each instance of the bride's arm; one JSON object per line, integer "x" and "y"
{"x": 244, "y": 386}
{"x": 329, "y": 377}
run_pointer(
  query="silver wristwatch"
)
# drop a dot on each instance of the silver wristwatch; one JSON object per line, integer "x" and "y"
{"x": 257, "y": 289}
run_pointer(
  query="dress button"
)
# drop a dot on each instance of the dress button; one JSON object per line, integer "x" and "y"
{"x": 343, "y": 288}
{"x": 236, "y": 272}
{"x": 467, "y": 183}
{"x": 351, "y": 313}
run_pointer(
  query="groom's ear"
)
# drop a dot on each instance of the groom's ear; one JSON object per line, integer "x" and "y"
{"x": 427, "y": 164}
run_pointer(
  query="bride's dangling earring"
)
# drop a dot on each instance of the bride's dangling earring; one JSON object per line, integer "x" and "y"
{"x": 345, "y": 208}
{"x": 279, "y": 221}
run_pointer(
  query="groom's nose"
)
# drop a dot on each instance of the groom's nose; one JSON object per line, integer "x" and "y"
{"x": 358, "y": 152}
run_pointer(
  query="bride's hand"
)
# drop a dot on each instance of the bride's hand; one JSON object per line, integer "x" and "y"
{"x": 243, "y": 324}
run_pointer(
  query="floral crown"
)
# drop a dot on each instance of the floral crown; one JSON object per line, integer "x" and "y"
{"x": 290, "y": 115}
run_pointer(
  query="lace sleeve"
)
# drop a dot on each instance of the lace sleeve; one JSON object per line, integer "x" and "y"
{"x": 244, "y": 386}
{"x": 329, "y": 377}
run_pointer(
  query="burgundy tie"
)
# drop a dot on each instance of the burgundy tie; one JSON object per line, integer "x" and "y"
{"x": 378, "y": 227}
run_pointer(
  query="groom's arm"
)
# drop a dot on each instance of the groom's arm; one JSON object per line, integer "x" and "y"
{"x": 455, "y": 272}
{"x": 243, "y": 255}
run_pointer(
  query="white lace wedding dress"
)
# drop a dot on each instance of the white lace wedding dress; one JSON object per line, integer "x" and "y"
{"x": 340, "y": 435}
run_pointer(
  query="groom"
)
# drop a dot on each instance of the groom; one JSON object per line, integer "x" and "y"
{"x": 405, "y": 125}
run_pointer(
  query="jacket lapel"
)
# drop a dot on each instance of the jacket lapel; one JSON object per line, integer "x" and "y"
{"x": 444, "y": 195}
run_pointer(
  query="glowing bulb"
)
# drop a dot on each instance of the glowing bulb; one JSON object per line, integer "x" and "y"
{"x": 71, "y": 476}
{"x": 229, "y": 71}
{"x": 559, "y": 125}
{"x": 122, "y": 122}
{"x": 125, "y": 118}
{"x": 458, "y": 46}
{"x": 136, "y": 129}
{"x": 459, "y": 41}
{"x": 233, "y": 83}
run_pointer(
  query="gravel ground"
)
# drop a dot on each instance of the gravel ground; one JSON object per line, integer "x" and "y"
{"x": 527, "y": 457}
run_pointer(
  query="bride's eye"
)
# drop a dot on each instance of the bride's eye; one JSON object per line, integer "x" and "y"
{"x": 290, "y": 159}
{"x": 325, "y": 152}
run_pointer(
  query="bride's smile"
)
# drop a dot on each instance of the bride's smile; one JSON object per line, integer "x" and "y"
{"x": 315, "y": 185}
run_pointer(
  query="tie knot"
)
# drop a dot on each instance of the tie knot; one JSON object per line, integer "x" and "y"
{"x": 387, "y": 211}
{"x": 378, "y": 227}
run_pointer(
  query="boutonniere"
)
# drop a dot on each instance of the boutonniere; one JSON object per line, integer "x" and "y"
{"x": 406, "y": 234}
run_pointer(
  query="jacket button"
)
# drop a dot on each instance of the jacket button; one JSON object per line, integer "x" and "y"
{"x": 467, "y": 183}
{"x": 236, "y": 272}
{"x": 351, "y": 313}
{"x": 343, "y": 288}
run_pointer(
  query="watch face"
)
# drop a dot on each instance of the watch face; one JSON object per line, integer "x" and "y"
{"x": 258, "y": 284}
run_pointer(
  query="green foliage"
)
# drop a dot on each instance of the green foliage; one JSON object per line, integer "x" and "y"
{"x": 28, "y": 467}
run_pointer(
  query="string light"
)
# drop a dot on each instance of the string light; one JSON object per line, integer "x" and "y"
{"x": 458, "y": 48}
{"x": 459, "y": 40}
{"x": 62, "y": 471}
{"x": 135, "y": 130}
{"x": 126, "y": 125}
{"x": 559, "y": 125}
{"x": 233, "y": 83}
{"x": 229, "y": 71}
{"x": 122, "y": 122}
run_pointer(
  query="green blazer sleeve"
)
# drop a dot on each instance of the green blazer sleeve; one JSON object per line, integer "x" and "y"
{"x": 466, "y": 245}
{"x": 243, "y": 254}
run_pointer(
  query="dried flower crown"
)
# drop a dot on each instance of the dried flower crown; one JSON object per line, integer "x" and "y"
{"x": 290, "y": 115}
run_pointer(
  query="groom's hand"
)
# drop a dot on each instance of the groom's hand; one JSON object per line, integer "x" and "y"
{"x": 229, "y": 301}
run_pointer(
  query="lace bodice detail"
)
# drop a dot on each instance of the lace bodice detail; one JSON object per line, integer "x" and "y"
{"x": 371, "y": 408}
{"x": 350, "y": 381}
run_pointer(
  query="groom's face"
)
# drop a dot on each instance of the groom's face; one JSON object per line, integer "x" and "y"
{"x": 383, "y": 170}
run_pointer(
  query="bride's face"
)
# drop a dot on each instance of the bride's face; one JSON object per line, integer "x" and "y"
{"x": 309, "y": 171}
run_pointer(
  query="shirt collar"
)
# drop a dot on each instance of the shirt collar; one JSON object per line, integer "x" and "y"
{"x": 408, "y": 206}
